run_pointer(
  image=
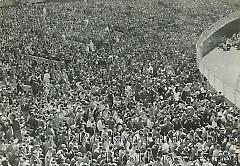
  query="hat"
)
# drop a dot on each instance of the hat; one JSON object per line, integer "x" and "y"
{"x": 62, "y": 146}
{"x": 225, "y": 152}
{"x": 78, "y": 154}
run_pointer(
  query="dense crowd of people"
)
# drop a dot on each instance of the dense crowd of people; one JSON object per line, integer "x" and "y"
{"x": 233, "y": 42}
{"x": 108, "y": 84}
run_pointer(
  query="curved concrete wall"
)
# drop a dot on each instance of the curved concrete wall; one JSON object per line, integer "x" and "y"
{"x": 211, "y": 37}
{"x": 209, "y": 40}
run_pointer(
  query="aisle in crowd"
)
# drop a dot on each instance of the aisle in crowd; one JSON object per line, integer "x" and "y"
{"x": 117, "y": 87}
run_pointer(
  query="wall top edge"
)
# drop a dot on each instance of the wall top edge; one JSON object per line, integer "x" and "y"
{"x": 216, "y": 26}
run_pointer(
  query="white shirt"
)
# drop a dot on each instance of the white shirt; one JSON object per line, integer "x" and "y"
{"x": 165, "y": 147}
{"x": 130, "y": 163}
{"x": 92, "y": 47}
{"x": 214, "y": 124}
{"x": 44, "y": 11}
{"x": 118, "y": 120}
{"x": 176, "y": 94}
{"x": 100, "y": 125}
{"x": 128, "y": 89}
{"x": 46, "y": 78}
{"x": 149, "y": 123}
{"x": 207, "y": 164}
{"x": 150, "y": 69}
{"x": 89, "y": 123}
{"x": 48, "y": 158}
{"x": 216, "y": 153}
{"x": 124, "y": 135}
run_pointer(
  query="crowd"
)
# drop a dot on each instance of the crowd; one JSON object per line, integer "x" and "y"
{"x": 228, "y": 43}
{"x": 116, "y": 85}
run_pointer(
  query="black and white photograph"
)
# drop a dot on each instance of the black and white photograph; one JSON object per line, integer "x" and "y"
{"x": 119, "y": 82}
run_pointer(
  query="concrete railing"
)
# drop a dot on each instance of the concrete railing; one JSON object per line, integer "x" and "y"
{"x": 209, "y": 40}
{"x": 222, "y": 27}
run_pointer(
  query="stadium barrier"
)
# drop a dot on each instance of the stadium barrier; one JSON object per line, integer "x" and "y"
{"x": 209, "y": 40}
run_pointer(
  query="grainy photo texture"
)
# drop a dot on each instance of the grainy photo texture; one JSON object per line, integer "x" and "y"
{"x": 119, "y": 82}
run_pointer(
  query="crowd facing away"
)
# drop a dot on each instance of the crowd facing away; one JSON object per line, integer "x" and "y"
{"x": 109, "y": 84}
{"x": 233, "y": 42}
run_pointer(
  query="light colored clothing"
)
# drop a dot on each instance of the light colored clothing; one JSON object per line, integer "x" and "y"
{"x": 165, "y": 147}
{"x": 100, "y": 125}
{"x": 92, "y": 47}
{"x": 149, "y": 123}
{"x": 130, "y": 163}
{"x": 48, "y": 159}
